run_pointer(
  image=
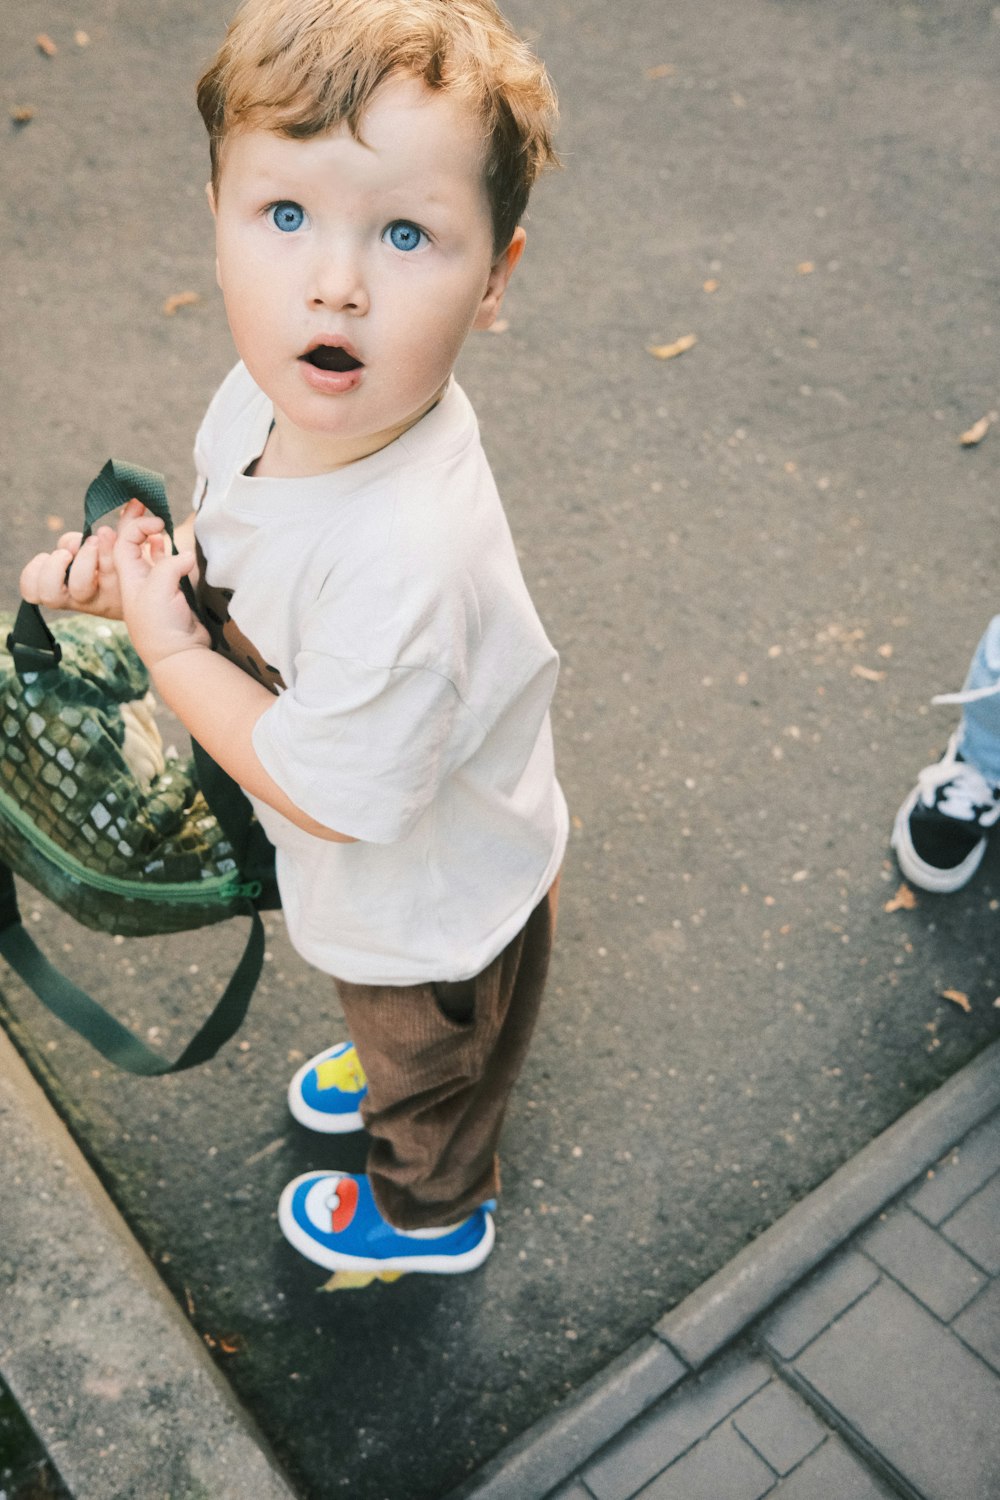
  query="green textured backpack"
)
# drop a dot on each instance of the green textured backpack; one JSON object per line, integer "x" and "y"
{"x": 101, "y": 821}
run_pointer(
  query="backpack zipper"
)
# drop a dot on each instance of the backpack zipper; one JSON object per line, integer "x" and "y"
{"x": 223, "y": 887}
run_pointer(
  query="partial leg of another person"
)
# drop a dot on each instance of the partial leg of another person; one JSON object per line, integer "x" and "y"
{"x": 942, "y": 829}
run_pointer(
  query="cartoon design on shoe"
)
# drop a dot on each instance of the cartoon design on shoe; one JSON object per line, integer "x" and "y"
{"x": 331, "y": 1218}
{"x": 941, "y": 830}
{"x": 327, "y": 1091}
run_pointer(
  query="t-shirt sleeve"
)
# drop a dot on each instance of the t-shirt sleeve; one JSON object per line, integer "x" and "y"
{"x": 363, "y": 749}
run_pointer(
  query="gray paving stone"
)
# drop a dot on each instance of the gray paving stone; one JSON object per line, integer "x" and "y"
{"x": 780, "y": 1426}
{"x": 935, "y": 1272}
{"x": 975, "y": 1228}
{"x": 832, "y": 1473}
{"x": 979, "y": 1325}
{"x": 673, "y": 1426}
{"x": 721, "y": 1465}
{"x": 962, "y": 1173}
{"x": 912, "y": 1393}
{"x": 806, "y": 1312}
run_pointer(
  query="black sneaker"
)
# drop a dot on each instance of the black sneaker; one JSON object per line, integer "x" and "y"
{"x": 941, "y": 829}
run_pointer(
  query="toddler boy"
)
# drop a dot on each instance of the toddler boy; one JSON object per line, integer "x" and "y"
{"x": 370, "y": 669}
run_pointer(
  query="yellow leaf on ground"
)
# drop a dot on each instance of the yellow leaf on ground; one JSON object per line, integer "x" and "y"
{"x": 45, "y": 44}
{"x": 22, "y": 113}
{"x": 805, "y": 267}
{"x": 868, "y": 673}
{"x": 662, "y": 70}
{"x": 179, "y": 299}
{"x": 710, "y": 286}
{"x": 671, "y": 351}
{"x": 352, "y": 1281}
{"x": 976, "y": 433}
{"x": 957, "y": 998}
{"x": 903, "y": 900}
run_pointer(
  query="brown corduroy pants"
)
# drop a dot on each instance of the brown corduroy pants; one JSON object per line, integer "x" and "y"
{"x": 441, "y": 1061}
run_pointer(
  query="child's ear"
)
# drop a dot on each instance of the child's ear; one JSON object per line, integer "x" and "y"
{"x": 501, "y": 271}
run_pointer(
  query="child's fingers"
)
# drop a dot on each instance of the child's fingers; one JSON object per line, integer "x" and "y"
{"x": 136, "y": 527}
{"x": 43, "y": 579}
{"x": 83, "y": 581}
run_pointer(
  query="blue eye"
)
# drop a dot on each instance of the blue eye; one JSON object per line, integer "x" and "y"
{"x": 405, "y": 236}
{"x": 287, "y": 216}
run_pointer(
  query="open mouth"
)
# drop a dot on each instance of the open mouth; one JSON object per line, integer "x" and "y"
{"x": 331, "y": 357}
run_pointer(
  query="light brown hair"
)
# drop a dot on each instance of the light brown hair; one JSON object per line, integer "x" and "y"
{"x": 302, "y": 67}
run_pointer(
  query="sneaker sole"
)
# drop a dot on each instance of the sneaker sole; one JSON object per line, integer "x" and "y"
{"x": 334, "y": 1260}
{"x": 917, "y": 871}
{"x": 315, "y": 1119}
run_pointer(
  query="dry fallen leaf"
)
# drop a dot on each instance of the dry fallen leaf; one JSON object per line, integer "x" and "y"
{"x": 353, "y": 1281}
{"x": 670, "y": 351}
{"x": 868, "y": 673}
{"x": 662, "y": 70}
{"x": 805, "y": 267}
{"x": 232, "y": 1343}
{"x": 179, "y": 299}
{"x": 55, "y": 523}
{"x": 976, "y": 433}
{"x": 903, "y": 900}
{"x": 45, "y": 44}
{"x": 22, "y": 113}
{"x": 957, "y": 998}
{"x": 710, "y": 286}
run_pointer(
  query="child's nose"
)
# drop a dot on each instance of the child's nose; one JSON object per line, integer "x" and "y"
{"x": 337, "y": 282}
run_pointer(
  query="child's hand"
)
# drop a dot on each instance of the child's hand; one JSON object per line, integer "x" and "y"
{"x": 76, "y": 577}
{"x": 157, "y": 615}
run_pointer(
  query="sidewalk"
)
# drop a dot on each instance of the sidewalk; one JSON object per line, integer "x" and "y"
{"x": 852, "y": 1351}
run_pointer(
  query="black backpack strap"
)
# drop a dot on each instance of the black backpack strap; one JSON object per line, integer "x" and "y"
{"x": 114, "y": 1041}
{"x": 252, "y": 849}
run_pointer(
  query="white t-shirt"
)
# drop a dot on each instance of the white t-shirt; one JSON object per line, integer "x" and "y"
{"x": 386, "y": 603}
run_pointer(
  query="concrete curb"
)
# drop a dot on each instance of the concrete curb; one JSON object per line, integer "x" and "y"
{"x": 121, "y": 1392}
{"x": 719, "y": 1311}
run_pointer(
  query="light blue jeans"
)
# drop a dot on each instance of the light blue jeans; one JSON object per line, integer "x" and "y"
{"x": 979, "y": 734}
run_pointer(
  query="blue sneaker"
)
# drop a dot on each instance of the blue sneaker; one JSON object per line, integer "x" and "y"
{"x": 331, "y": 1218}
{"x": 327, "y": 1091}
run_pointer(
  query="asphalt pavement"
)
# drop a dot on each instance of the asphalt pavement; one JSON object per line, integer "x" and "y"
{"x": 759, "y": 560}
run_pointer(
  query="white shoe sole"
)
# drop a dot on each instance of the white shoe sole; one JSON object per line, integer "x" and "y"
{"x": 917, "y": 871}
{"x": 334, "y": 1260}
